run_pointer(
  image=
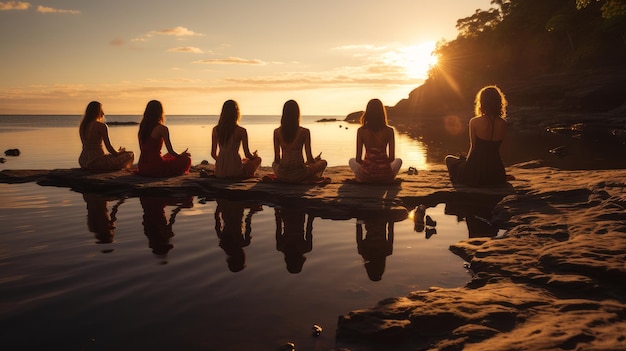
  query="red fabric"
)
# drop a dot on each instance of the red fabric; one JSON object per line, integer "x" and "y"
{"x": 152, "y": 164}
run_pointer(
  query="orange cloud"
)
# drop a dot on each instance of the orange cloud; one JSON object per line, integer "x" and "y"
{"x": 232, "y": 61}
{"x": 189, "y": 49}
{"x": 178, "y": 31}
{"x": 14, "y": 5}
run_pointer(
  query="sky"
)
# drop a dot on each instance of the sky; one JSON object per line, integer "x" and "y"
{"x": 332, "y": 56}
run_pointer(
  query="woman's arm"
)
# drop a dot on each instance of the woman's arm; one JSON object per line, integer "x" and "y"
{"x": 472, "y": 135}
{"x": 104, "y": 132}
{"x": 392, "y": 145}
{"x": 244, "y": 143}
{"x": 359, "y": 145}
{"x": 307, "y": 145}
{"x": 276, "y": 145}
{"x": 214, "y": 143}
{"x": 165, "y": 134}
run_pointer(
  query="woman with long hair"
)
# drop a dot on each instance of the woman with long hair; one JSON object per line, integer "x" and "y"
{"x": 290, "y": 140}
{"x": 152, "y": 134}
{"x": 227, "y": 137}
{"x": 377, "y": 138}
{"x": 94, "y": 135}
{"x": 483, "y": 165}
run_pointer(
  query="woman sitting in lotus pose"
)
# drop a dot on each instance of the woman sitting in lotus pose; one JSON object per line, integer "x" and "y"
{"x": 152, "y": 134}
{"x": 289, "y": 141}
{"x": 94, "y": 134}
{"x": 228, "y": 136}
{"x": 375, "y": 135}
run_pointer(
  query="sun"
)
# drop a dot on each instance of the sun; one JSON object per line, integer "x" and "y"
{"x": 417, "y": 60}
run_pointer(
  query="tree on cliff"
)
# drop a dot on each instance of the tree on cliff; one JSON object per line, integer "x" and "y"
{"x": 520, "y": 39}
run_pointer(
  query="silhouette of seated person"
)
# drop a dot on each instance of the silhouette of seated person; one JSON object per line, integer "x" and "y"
{"x": 375, "y": 245}
{"x": 483, "y": 165}
{"x": 156, "y": 226}
{"x": 98, "y": 220}
{"x": 477, "y": 216}
{"x": 229, "y": 228}
{"x": 292, "y": 238}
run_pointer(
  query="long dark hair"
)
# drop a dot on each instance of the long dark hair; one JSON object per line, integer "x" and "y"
{"x": 290, "y": 121}
{"x": 491, "y": 102}
{"x": 375, "y": 115}
{"x": 92, "y": 113}
{"x": 229, "y": 119}
{"x": 152, "y": 116}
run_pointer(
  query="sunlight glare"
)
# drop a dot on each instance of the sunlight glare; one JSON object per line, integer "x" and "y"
{"x": 418, "y": 59}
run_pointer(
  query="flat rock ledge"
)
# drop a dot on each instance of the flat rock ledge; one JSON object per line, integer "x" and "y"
{"x": 555, "y": 281}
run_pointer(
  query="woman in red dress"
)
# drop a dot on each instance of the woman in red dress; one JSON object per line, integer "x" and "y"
{"x": 152, "y": 134}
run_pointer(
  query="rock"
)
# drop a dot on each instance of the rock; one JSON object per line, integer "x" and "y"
{"x": 553, "y": 281}
{"x": 12, "y": 152}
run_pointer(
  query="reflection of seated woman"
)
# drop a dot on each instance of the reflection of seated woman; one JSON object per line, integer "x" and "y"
{"x": 98, "y": 220}
{"x": 228, "y": 226}
{"x": 152, "y": 134}
{"x": 156, "y": 226}
{"x": 478, "y": 216}
{"x": 290, "y": 139}
{"x": 375, "y": 246}
{"x": 94, "y": 135}
{"x": 291, "y": 237}
{"x": 483, "y": 166}
{"x": 377, "y": 137}
{"x": 228, "y": 136}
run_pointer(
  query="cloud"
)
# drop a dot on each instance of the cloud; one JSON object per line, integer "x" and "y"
{"x": 178, "y": 31}
{"x": 45, "y": 9}
{"x": 231, "y": 61}
{"x": 186, "y": 49}
{"x": 14, "y": 5}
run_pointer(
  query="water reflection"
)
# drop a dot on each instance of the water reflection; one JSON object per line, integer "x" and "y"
{"x": 423, "y": 222}
{"x": 294, "y": 238}
{"x": 477, "y": 213}
{"x": 156, "y": 226}
{"x": 375, "y": 244}
{"x": 99, "y": 221}
{"x": 229, "y": 228}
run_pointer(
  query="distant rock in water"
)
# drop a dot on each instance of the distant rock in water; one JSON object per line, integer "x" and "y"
{"x": 114, "y": 123}
{"x": 327, "y": 120}
{"x": 354, "y": 117}
{"x": 12, "y": 152}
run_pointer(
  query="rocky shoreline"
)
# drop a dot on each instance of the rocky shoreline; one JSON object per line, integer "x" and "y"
{"x": 555, "y": 280}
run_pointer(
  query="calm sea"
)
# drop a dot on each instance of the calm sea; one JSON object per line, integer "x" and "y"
{"x": 87, "y": 272}
{"x": 52, "y": 141}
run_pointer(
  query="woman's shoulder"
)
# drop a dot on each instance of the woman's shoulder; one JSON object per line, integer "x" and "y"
{"x": 99, "y": 126}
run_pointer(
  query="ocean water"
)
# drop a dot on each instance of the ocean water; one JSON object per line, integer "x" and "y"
{"x": 87, "y": 272}
{"x": 52, "y": 141}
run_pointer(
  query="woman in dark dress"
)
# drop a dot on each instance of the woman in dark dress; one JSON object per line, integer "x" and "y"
{"x": 483, "y": 165}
